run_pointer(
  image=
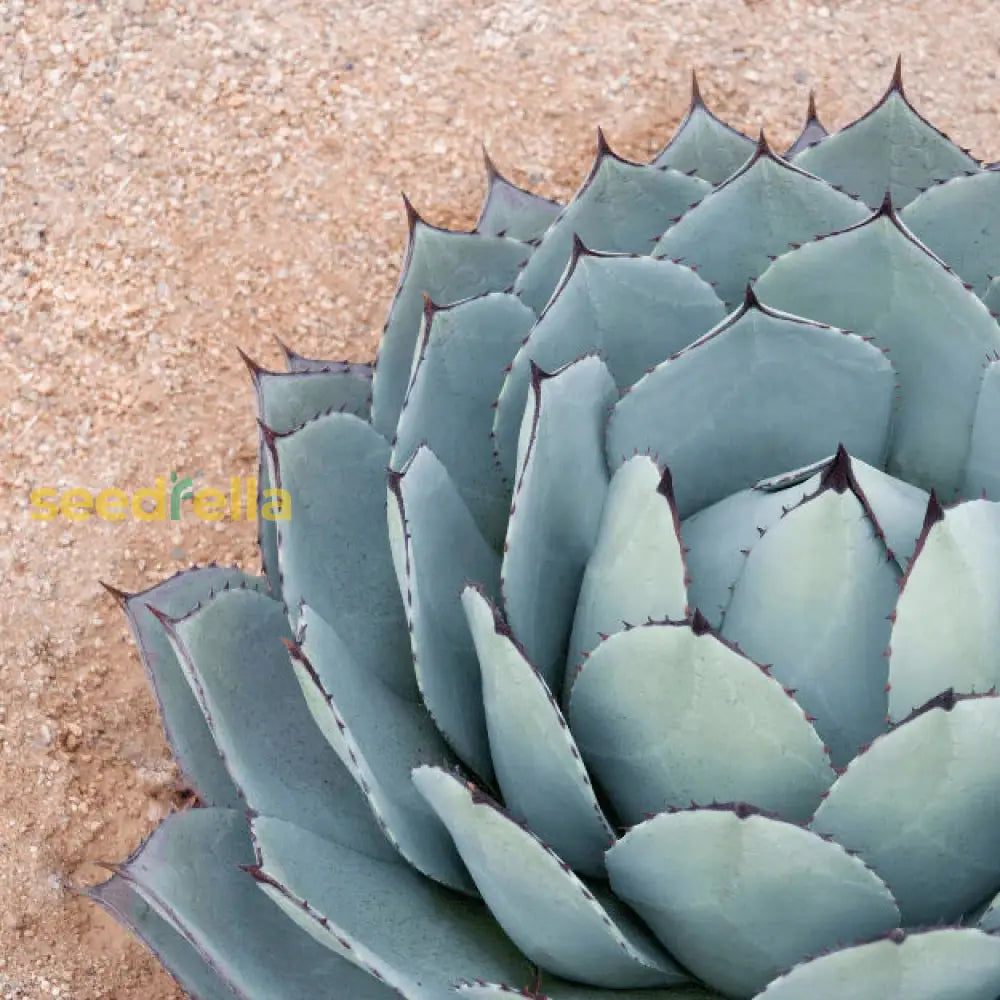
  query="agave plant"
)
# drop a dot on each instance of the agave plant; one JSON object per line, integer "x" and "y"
{"x": 629, "y": 635}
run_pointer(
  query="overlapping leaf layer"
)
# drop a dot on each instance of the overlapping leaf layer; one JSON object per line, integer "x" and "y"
{"x": 630, "y": 635}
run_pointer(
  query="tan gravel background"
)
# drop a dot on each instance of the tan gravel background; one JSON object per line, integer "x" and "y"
{"x": 180, "y": 178}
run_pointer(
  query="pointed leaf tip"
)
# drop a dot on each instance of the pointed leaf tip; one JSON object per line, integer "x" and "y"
{"x": 255, "y": 369}
{"x": 811, "y": 114}
{"x": 935, "y": 513}
{"x": 700, "y": 625}
{"x": 697, "y": 101}
{"x": 120, "y": 596}
{"x": 666, "y": 486}
{"x": 839, "y": 475}
{"x": 750, "y": 300}
{"x": 413, "y": 217}
{"x": 492, "y": 173}
{"x": 896, "y": 84}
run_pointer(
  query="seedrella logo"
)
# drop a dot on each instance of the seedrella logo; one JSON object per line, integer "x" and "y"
{"x": 243, "y": 502}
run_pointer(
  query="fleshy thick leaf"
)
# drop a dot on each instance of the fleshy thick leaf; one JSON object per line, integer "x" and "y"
{"x": 232, "y": 653}
{"x": 704, "y": 143}
{"x": 960, "y": 222}
{"x": 876, "y": 279}
{"x": 380, "y": 737}
{"x": 461, "y": 361}
{"x": 509, "y": 210}
{"x": 636, "y": 572}
{"x": 633, "y": 311}
{"x": 537, "y": 764}
{"x": 813, "y": 601}
{"x": 556, "y": 990}
{"x": 183, "y": 721}
{"x": 446, "y": 266}
{"x": 774, "y": 892}
{"x": 415, "y": 936}
{"x": 188, "y": 874}
{"x": 954, "y": 963}
{"x": 437, "y": 549}
{"x": 889, "y": 148}
{"x": 622, "y": 207}
{"x": 946, "y": 632}
{"x": 545, "y": 909}
{"x": 667, "y": 715}
{"x": 813, "y": 130}
{"x": 933, "y": 839}
{"x": 982, "y": 466}
{"x": 287, "y": 400}
{"x": 334, "y": 548}
{"x": 735, "y": 232}
{"x": 762, "y": 392}
{"x": 561, "y": 484}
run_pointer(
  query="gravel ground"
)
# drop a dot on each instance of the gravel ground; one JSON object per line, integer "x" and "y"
{"x": 178, "y": 178}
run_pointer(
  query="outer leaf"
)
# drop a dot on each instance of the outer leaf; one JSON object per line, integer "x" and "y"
{"x": 409, "y": 932}
{"x": 704, "y": 143}
{"x": 889, "y": 148}
{"x": 380, "y": 738}
{"x": 877, "y": 279}
{"x": 779, "y": 892}
{"x": 946, "y": 631}
{"x": 762, "y": 392}
{"x": 636, "y": 571}
{"x": 560, "y": 489}
{"x": 812, "y": 132}
{"x": 287, "y": 400}
{"x": 735, "y": 232}
{"x": 933, "y": 840}
{"x": 814, "y": 601}
{"x": 621, "y": 207}
{"x": 445, "y": 266}
{"x": 952, "y": 963}
{"x": 232, "y": 653}
{"x": 191, "y": 972}
{"x": 982, "y": 466}
{"x": 537, "y": 764}
{"x": 334, "y": 549}
{"x": 633, "y": 311}
{"x": 545, "y": 909}
{"x": 295, "y": 362}
{"x": 462, "y": 358}
{"x": 510, "y": 210}
{"x": 960, "y": 222}
{"x": 185, "y": 726}
{"x": 188, "y": 874}
{"x": 437, "y": 549}
{"x": 667, "y": 715}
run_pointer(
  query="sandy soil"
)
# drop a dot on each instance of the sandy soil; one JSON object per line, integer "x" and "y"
{"x": 179, "y": 178}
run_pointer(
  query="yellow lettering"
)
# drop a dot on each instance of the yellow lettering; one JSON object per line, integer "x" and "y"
{"x": 158, "y": 495}
{"x": 76, "y": 505}
{"x": 277, "y": 505}
{"x": 209, "y": 504}
{"x": 46, "y": 500}
{"x": 111, "y": 504}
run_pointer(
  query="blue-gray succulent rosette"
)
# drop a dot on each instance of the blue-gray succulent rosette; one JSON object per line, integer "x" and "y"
{"x": 635, "y": 631}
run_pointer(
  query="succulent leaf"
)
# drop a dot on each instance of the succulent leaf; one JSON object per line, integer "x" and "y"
{"x": 636, "y": 572}
{"x": 287, "y": 400}
{"x": 622, "y": 207}
{"x": 183, "y": 721}
{"x": 537, "y": 764}
{"x": 445, "y": 266}
{"x": 555, "y": 990}
{"x": 633, "y": 311}
{"x": 781, "y": 892}
{"x": 991, "y": 297}
{"x": 982, "y": 466}
{"x": 552, "y": 917}
{"x": 333, "y": 550}
{"x": 960, "y": 222}
{"x": 509, "y": 210}
{"x": 763, "y": 391}
{"x": 734, "y": 233}
{"x": 558, "y": 496}
{"x": 667, "y": 715}
{"x": 232, "y": 654}
{"x": 878, "y": 280}
{"x": 437, "y": 549}
{"x": 946, "y": 631}
{"x": 412, "y": 934}
{"x": 813, "y": 601}
{"x": 890, "y": 148}
{"x": 380, "y": 737}
{"x": 461, "y": 360}
{"x": 812, "y": 132}
{"x": 960, "y": 964}
{"x": 188, "y": 874}
{"x": 933, "y": 839}
{"x": 704, "y": 144}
